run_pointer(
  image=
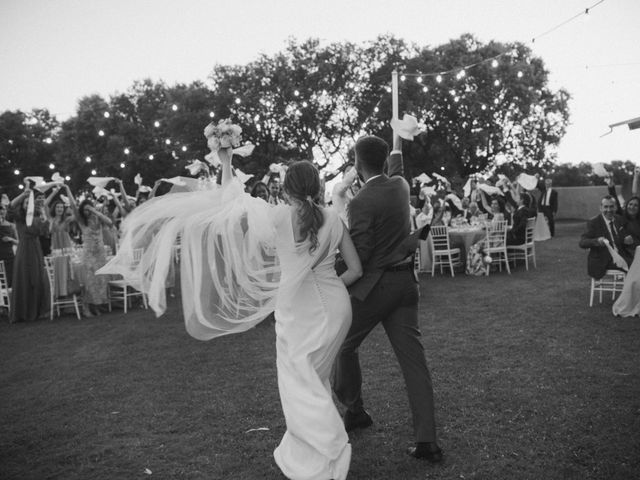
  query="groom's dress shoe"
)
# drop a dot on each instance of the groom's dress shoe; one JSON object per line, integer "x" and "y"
{"x": 359, "y": 419}
{"x": 426, "y": 450}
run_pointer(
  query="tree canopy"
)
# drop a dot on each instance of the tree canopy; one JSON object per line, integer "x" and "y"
{"x": 311, "y": 101}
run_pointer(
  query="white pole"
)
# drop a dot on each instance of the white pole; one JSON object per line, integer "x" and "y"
{"x": 394, "y": 99}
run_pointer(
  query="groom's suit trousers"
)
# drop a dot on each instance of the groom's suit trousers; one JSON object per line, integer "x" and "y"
{"x": 394, "y": 303}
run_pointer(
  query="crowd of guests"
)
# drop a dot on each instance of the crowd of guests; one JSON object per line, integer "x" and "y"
{"x": 48, "y": 218}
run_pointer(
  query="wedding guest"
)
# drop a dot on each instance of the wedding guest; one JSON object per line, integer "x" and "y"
{"x": 549, "y": 204}
{"x": 473, "y": 213}
{"x": 602, "y": 229}
{"x": 630, "y": 215}
{"x": 274, "y": 191}
{"x": 30, "y": 287}
{"x": 59, "y": 229}
{"x": 496, "y": 212}
{"x": 90, "y": 221}
{"x": 8, "y": 240}
{"x": 260, "y": 190}
{"x": 518, "y": 233}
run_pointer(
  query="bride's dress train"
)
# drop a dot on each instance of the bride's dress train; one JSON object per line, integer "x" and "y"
{"x": 239, "y": 262}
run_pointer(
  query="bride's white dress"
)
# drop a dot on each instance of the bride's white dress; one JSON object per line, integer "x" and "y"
{"x": 239, "y": 262}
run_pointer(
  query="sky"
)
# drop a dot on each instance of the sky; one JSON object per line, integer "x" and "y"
{"x": 53, "y": 52}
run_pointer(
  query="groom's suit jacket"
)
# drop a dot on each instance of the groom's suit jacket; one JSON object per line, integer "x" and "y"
{"x": 379, "y": 223}
{"x": 599, "y": 259}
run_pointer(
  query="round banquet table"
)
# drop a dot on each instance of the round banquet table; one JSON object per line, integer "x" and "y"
{"x": 464, "y": 237}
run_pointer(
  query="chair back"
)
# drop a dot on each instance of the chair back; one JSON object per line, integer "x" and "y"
{"x": 4, "y": 286}
{"x": 496, "y": 236}
{"x": 48, "y": 266}
{"x": 531, "y": 227}
{"x": 440, "y": 237}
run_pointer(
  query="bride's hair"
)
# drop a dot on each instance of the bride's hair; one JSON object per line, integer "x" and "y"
{"x": 302, "y": 182}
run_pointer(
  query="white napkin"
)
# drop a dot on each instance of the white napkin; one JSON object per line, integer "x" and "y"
{"x": 99, "y": 181}
{"x": 528, "y": 182}
{"x": 406, "y": 128}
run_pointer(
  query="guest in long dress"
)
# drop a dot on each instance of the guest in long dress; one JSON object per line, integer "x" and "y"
{"x": 30, "y": 287}
{"x": 8, "y": 239}
{"x": 60, "y": 220}
{"x": 93, "y": 256}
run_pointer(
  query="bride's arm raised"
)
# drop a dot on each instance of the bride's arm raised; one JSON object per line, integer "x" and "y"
{"x": 351, "y": 259}
{"x": 225, "y": 159}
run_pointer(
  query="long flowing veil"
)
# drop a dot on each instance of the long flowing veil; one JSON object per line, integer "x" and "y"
{"x": 229, "y": 272}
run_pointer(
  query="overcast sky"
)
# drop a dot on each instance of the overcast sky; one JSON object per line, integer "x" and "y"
{"x": 53, "y": 52}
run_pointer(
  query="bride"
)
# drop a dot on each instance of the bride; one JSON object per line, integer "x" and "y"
{"x": 242, "y": 258}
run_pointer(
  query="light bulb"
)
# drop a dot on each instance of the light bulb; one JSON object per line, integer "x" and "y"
{"x": 16, "y": 172}
{"x": 87, "y": 159}
{"x": 211, "y": 114}
{"x": 425, "y": 89}
{"x": 67, "y": 178}
{"x": 174, "y": 107}
{"x": 93, "y": 172}
{"x": 127, "y": 151}
{"x": 484, "y": 107}
{"x": 150, "y": 157}
{"x": 403, "y": 78}
{"x": 20, "y": 186}
{"x": 122, "y": 165}
{"x": 184, "y": 148}
{"x": 520, "y": 74}
{"x": 167, "y": 141}
{"x": 496, "y": 83}
{"x": 106, "y": 115}
{"x": 296, "y": 93}
{"x": 51, "y": 166}
{"x": 376, "y": 109}
{"x": 438, "y": 78}
{"x": 238, "y": 101}
{"x": 48, "y": 140}
{"x": 101, "y": 133}
{"x": 156, "y": 124}
{"x": 304, "y": 104}
{"x": 419, "y": 79}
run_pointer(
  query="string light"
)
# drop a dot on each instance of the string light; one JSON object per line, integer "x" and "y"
{"x": 425, "y": 89}
{"x": 156, "y": 124}
{"x": 238, "y": 101}
{"x": 520, "y": 74}
{"x": 20, "y": 186}
{"x": 497, "y": 83}
{"x": 296, "y": 93}
{"x": 16, "y": 172}
{"x": 184, "y": 148}
{"x": 304, "y": 104}
{"x": 484, "y": 107}
{"x": 87, "y": 159}
{"x": 93, "y": 172}
{"x": 51, "y": 166}
{"x": 376, "y": 109}
{"x": 167, "y": 141}
{"x": 67, "y": 178}
{"x": 439, "y": 78}
{"x": 174, "y": 107}
{"x": 419, "y": 79}
{"x": 101, "y": 133}
{"x": 211, "y": 114}
{"x": 494, "y": 63}
{"x": 106, "y": 115}
{"x": 151, "y": 157}
{"x": 403, "y": 78}
{"x": 46, "y": 140}
{"x": 127, "y": 151}
{"x": 122, "y": 165}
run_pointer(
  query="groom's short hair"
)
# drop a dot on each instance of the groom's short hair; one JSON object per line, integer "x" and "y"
{"x": 372, "y": 152}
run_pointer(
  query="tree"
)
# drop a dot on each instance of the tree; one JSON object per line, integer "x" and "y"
{"x": 27, "y": 146}
{"x": 489, "y": 113}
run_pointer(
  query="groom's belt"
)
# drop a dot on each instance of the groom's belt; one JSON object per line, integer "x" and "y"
{"x": 400, "y": 267}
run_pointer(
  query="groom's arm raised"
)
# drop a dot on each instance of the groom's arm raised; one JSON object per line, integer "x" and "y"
{"x": 395, "y": 164}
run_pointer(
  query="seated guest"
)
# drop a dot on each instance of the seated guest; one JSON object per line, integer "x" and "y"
{"x": 518, "y": 233}
{"x": 497, "y": 210}
{"x": 605, "y": 227}
{"x": 630, "y": 216}
{"x": 465, "y": 208}
{"x": 473, "y": 212}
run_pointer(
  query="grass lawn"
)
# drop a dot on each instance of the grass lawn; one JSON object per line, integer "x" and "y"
{"x": 530, "y": 383}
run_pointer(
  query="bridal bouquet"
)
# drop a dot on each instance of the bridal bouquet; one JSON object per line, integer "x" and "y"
{"x": 224, "y": 135}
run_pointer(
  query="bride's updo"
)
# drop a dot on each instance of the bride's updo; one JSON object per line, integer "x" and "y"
{"x": 302, "y": 183}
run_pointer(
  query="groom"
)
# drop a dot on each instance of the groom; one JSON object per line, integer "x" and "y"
{"x": 387, "y": 293}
